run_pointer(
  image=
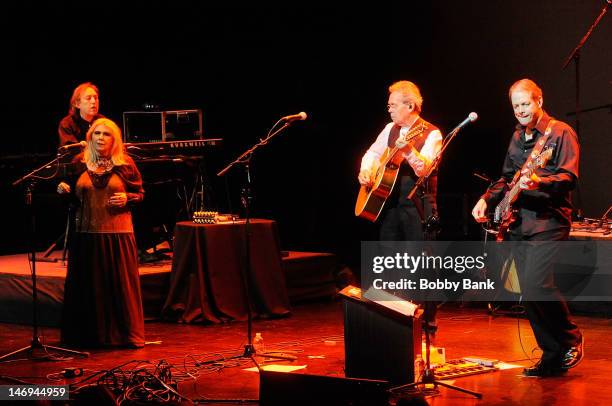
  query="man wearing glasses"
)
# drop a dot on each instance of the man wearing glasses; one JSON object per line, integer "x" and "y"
{"x": 401, "y": 220}
{"x": 404, "y": 219}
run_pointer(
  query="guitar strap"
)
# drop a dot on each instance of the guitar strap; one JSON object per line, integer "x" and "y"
{"x": 537, "y": 149}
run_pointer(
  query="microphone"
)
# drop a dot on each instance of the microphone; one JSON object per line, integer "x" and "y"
{"x": 294, "y": 117}
{"x": 81, "y": 144}
{"x": 471, "y": 117}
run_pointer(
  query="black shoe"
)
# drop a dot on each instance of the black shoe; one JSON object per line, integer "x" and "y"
{"x": 573, "y": 355}
{"x": 543, "y": 370}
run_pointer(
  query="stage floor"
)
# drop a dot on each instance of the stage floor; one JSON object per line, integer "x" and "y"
{"x": 314, "y": 334}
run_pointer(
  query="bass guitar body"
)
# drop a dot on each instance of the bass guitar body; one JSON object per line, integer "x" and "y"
{"x": 505, "y": 213}
{"x": 501, "y": 226}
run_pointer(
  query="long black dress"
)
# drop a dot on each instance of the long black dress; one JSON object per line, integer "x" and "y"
{"x": 102, "y": 299}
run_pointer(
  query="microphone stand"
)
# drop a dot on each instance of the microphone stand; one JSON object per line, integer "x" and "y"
{"x": 428, "y": 377}
{"x": 604, "y": 219}
{"x": 434, "y": 163}
{"x": 245, "y": 160}
{"x": 575, "y": 56}
{"x": 36, "y": 344}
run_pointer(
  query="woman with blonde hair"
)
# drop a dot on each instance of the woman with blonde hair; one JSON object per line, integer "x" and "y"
{"x": 102, "y": 300}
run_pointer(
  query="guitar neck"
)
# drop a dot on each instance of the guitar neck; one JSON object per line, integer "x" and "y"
{"x": 409, "y": 136}
{"x": 509, "y": 198}
{"x": 512, "y": 194}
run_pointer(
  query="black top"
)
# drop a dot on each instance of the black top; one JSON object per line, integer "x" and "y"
{"x": 548, "y": 207}
{"x": 73, "y": 128}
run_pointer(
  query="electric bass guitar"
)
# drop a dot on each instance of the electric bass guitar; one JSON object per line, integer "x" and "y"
{"x": 372, "y": 198}
{"x": 505, "y": 214}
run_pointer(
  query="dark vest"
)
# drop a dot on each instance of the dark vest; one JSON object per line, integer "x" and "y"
{"x": 418, "y": 142}
{"x": 406, "y": 176}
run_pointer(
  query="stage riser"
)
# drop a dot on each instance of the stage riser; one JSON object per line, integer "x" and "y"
{"x": 308, "y": 275}
{"x": 16, "y": 297}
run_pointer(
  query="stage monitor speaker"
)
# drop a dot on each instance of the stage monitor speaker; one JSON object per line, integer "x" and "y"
{"x": 283, "y": 388}
{"x": 381, "y": 339}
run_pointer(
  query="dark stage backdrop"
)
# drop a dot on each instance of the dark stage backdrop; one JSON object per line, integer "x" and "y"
{"x": 246, "y": 67}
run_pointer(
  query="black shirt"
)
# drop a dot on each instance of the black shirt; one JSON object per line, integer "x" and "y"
{"x": 548, "y": 207}
{"x": 73, "y": 128}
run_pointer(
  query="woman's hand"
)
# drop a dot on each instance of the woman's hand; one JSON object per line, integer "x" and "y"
{"x": 63, "y": 188}
{"x": 118, "y": 199}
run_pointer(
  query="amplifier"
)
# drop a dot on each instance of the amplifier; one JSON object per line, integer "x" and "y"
{"x": 162, "y": 126}
{"x": 380, "y": 341}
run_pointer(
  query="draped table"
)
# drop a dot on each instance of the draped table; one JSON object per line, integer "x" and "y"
{"x": 207, "y": 267}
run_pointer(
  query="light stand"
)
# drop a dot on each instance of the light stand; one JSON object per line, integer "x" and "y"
{"x": 36, "y": 343}
{"x": 245, "y": 160}
{"x": 575, "y": 56}
{"x": 430, "y": 225}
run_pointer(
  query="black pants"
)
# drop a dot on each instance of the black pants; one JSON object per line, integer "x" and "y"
{"x": 401, "y": 223}
{"x": 404, "y": 223}
{"x": 546, "y": 308}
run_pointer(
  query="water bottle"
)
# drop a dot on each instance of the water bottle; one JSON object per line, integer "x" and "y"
{"x": 258, "y": 344}
{"x": 419, "y": 367}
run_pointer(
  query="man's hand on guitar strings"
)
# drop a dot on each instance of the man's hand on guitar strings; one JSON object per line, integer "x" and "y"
{"x": 365, "y": 177}
{"x": 418, "y": 162}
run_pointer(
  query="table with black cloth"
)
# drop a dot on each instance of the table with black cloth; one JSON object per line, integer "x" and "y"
{"x": 207, "y": 266}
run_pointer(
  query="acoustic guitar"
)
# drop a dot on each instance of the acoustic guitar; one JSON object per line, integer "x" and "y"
{"x": 371, "y": 198}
